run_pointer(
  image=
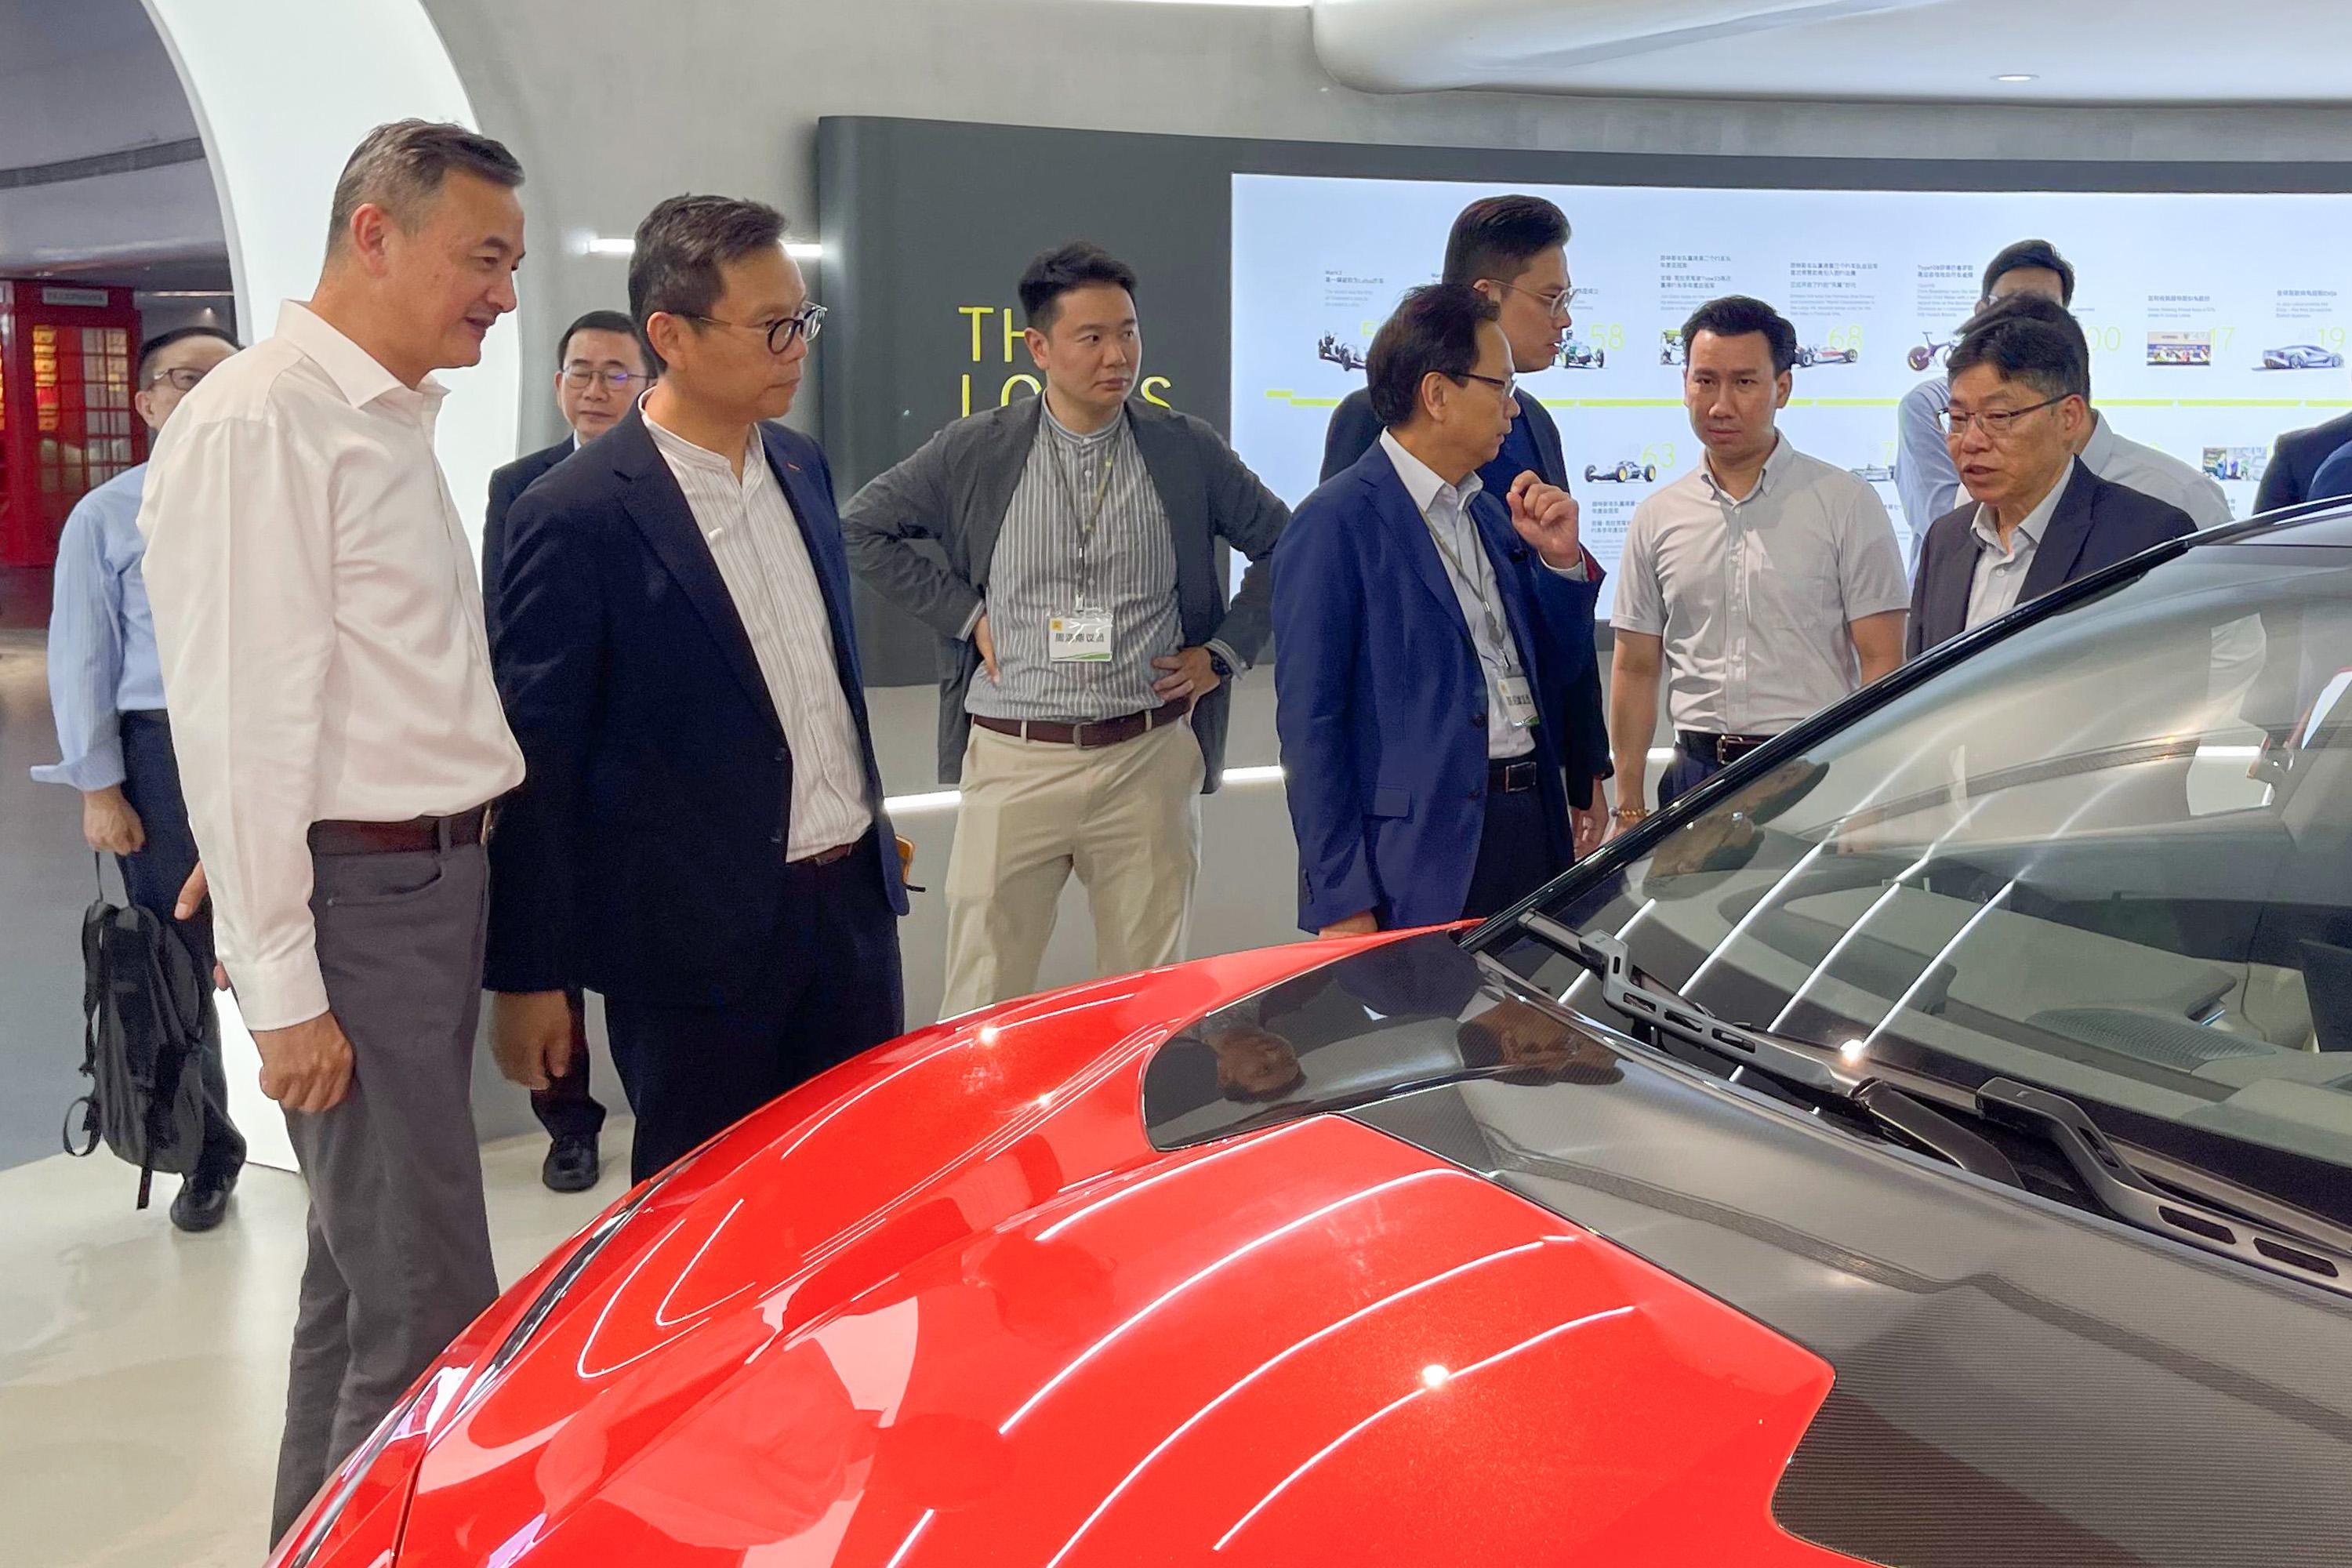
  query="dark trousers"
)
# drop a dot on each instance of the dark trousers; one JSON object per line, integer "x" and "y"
{"x": 1686, "y": 774}
{"x": 152, "y": 879}
{"x": 1515, "y": 854}
{"x": 399, "y": 1245}
{"x": 831, "y": 990}
{"x": 565, "y": 1107}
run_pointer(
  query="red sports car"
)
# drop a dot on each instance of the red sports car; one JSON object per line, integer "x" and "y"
{"x": 1928, "y": 1143}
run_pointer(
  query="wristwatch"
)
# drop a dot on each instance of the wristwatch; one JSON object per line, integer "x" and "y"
{"x": 1217, "y": 662}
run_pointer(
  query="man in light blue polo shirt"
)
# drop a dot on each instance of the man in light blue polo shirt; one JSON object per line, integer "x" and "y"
{"x": 106, "y": 691}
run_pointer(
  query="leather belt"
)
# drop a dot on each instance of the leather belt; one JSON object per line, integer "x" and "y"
{"x": 414, "y": 836}
{"x": 1101, "y": 732}
{"x": 1721, "y": 749}
{"x": 827, "y": 856}
{"x": 1510, "y": 775}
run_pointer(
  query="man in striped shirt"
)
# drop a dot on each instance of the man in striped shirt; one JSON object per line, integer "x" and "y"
{"x": 1093, "y": 642}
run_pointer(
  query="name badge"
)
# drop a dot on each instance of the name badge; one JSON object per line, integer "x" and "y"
{"x": 1519, "y": 701}
{"x": 1081, "y": 636}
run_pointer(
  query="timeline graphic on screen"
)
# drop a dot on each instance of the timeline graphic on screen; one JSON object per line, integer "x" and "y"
{"x": 2215, "y": 321}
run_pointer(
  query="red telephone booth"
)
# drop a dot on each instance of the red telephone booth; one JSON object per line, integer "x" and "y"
{"x": 66, "y": 421}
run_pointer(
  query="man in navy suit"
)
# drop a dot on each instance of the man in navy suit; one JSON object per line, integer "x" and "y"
{"x": 600, "y": 369}
{"x": 2037, "y": 516}
{"x": 701, "y": 833}
{"x": 1432, "y": 638}
{"x": 2294, "y": 464}
{"x": 1513, "y": 250}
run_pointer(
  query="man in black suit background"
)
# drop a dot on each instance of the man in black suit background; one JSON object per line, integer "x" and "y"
{"x": 2038, "y": 517}
{"x": 701, "y": 835}
{"x": 1514, "y": 250}
{"x": 600, "y": 369}
{"x": 2295, "y": 461}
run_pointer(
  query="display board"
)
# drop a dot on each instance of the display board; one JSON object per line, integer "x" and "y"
{"x": 2215, "y": 321}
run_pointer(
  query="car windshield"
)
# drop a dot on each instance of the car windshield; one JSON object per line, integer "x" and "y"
{"x": 2109, "y": 852}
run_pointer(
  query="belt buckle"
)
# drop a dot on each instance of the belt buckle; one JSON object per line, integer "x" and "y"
{"x": 1518, "y": 777}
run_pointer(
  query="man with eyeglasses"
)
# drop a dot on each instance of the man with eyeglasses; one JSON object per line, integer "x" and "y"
{"x": 600, "y": 373}
{"x": 701, "y": 835}
{"x": 2038, "y": 515}
{"x": 1765, "y": 583}
{"x": 1077, "y": 582}
{"x": 1433, "y": 636}
{"x": 106, "y": 693}
{"x": 1514, "y": 250}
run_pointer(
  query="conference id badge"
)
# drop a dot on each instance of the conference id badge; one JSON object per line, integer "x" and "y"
{"x": 1519, "y": 701}
{"x": 1078, "y": 637}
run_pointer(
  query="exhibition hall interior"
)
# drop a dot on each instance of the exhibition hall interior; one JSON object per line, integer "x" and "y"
{"x": 1086, "y": 781}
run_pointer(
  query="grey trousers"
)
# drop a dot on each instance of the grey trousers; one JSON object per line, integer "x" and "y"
{"x": 400, "y": 1244}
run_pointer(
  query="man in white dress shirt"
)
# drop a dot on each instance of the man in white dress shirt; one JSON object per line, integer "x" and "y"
{"x": 340, "y": 739}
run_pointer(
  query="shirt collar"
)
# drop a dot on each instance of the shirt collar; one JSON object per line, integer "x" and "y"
{"x": 678, "y": 448}
{"x": 2029, "y": 533}
{"x": 1087, "y": 438}
{"x": 1421, "y": 483}
{"x": 355, "y": 371}
{"x": 2101, "y": 447}
{"x": 1775, "y": 462}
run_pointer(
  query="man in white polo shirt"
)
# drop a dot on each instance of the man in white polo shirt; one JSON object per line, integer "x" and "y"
{"x": 1763, "y": 585}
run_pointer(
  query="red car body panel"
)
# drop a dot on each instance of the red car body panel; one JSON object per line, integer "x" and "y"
{"x": 947, "y": 1304}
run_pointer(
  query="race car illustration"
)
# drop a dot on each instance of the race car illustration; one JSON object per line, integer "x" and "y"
{"x": 1931, "y": 351}
{"x": 1812, "y": 356}
{"x": 1574, "y": 355}
{"x": 1873, "y": 473}
{"x": 1672, "y": 350}
{"x": 1344, "y": 355}
{"x": 1623, "y": 473}
{"x": 2301, "y": 356}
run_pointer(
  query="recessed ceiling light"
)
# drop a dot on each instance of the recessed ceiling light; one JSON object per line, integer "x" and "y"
{"x": 2018, "y": 75}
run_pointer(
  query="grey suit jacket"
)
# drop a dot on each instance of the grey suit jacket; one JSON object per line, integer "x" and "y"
{"x": 956, "y": 489}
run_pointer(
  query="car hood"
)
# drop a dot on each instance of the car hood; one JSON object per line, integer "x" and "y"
{"x": 950, "y": 1305}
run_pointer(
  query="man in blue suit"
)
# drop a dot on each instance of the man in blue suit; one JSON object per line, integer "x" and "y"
{"x": 1513, "y": 250}
{"x": 2036, "y": 517}
{"x": 701, "y": 835}
{"x": 1433, "y": 636}
{"x": 2292, "y": 476}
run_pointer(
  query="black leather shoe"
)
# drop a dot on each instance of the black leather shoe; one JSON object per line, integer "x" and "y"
{"x": 202, "y": 1202}
{"x": 571, "y": 1166}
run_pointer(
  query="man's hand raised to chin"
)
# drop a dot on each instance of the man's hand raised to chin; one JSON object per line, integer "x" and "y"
{"x": 1546, "y": 516}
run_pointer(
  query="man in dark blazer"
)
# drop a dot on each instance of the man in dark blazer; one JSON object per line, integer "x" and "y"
{"x": 701, "y": 833}
{"x": 1513, "y": 250}
{"x": 1432, "y": 638}
{"x": 2037, "y": 516}
{"x": 2294, "y": 463}
{"x": 1088, "y": 639}
{"x": 600, "y": 369}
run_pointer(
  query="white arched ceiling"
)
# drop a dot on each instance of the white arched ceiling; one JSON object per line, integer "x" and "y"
{"x": 283, "y": 90}
{"x": 2123, "y": 51}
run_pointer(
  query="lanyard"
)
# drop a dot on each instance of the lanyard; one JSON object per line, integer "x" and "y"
{"x": 1088, "y": 520}
{"x": 1495, "y": 629}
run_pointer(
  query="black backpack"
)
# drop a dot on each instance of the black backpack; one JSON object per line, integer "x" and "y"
{"x": 145, "y": 1009}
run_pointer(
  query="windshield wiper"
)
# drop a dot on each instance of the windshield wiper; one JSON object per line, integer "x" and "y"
{"x": 2131, "y": 1197}
{"x": 1823, "y": 1070}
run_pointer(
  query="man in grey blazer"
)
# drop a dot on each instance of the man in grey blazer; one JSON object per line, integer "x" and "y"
{"x": 1090, "y": 639}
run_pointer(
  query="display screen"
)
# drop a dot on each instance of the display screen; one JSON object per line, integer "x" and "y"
{"x": 2215, "y": 321}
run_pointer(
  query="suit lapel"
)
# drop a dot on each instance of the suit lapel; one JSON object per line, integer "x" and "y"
{"x": 658, "y": 508}
{"x": 821, "y": 535}
{"x": 1953, "y": 575}
{"x": 997, "y": 478}
{"x": 1410, "y": 533}
{"x": 1552, "y": 465}
{"x": 2063, "y": 542}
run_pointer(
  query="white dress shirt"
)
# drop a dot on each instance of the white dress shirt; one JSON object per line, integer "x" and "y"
{"x": 320, "y": 631}
{"x": 1752, "y": 596}
{"x": 1446, "y": 509}
{"x": 2141, "y": 468}
{"x": 2001, "y": 569}
{"x": 756, "y": 541}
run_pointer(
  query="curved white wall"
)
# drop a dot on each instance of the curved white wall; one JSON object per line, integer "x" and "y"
{"x": 283, "y": 90}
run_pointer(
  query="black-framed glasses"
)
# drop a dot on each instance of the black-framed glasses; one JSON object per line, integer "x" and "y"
{"x": 182, "y": 377}
{"x": 1996, "y": 422}
{"x": 804, "y": 323}
{"x": 1508, "y": 386}
{"x": 577, "y": 376}
{"x": 1556, "y": 304}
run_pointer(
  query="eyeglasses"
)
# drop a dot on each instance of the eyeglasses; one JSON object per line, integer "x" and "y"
{"x": 804, "y": 323}
{"x": 579, "y": 375}
{"x": 182, "y": 377}
{"x": 1996, "y": 422}
{"x": 1508, "y": 386}
{"x": 1556, "y": 304}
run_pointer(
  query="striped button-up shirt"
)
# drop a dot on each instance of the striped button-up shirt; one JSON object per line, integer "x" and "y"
{"x": 102, "y": 661}
{"x": 756, "y": 541}
{"x": 1130, "y": 570}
